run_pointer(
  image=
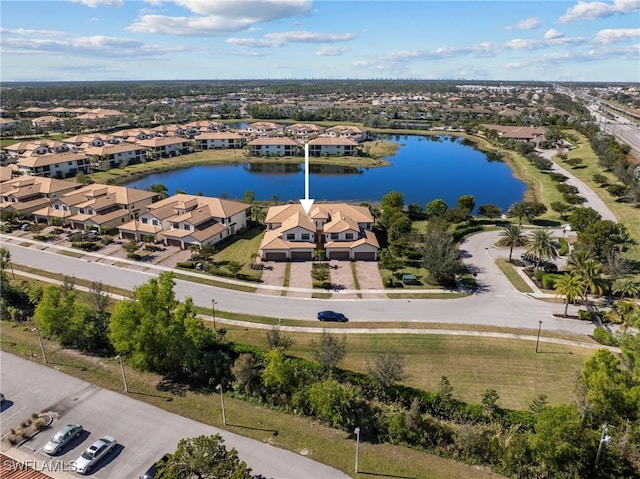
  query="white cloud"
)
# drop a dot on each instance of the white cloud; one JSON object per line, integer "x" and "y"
{"x": 283, "y": 38}
{"x": 100, "y": 3}
{"x": 331, "y": 51}
{"x": 616, "y": 35}
{"x": 215, "y": 18}
{"x": 26, "y": 31}
{"x": 552, "y": 34}
{"x": 91, "y": 46}
{"x": 594, "y": 10}
{"x": 188, "y": 26}
{"x": 526, "y": 24}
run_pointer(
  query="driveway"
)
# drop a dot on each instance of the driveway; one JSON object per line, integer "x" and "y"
{"x": 370, "y": 280}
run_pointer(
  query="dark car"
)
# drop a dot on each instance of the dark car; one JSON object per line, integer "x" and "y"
{"x": 332, "y": 316}
{"x": 152, "y": 471}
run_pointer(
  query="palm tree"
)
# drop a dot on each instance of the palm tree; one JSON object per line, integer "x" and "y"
{"x": 589, "y": 271}
{"x": 520, "y": 210}
{"x": 512, "y": 236}
{"x": 626, "y": 287}
{"x": 571, "y": 287}
{"x": 542, "y": 246}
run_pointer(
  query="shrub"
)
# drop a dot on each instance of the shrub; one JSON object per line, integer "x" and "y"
{"x": 549, "y": 280}
{"x": 86, "y": 245}
{"x": 605, "y": 337}
{"x": 584, "y": 314}
{"x": 564, "y": 247}
{"x": 538, "y": 274}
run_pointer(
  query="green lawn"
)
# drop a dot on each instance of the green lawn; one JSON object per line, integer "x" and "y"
{"x": 472, "y": 364}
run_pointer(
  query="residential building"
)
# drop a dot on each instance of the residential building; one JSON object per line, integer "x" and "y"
{"x": 26, "y": 194}
{"x": 184, "y": 220}
{"x": 112, "y": 156}
{"x": 303, "y": 131}
{"x": 164, "y": 147}
{"x": 274, "y": 146}
{"x": 347, "y": 131}
{"x": 219, "y": 140}
{"x": 97, "y": 206}
{"x": 332, "y": 146}
{"x": 54, "y": 165}
{"x": 340, "y": 231}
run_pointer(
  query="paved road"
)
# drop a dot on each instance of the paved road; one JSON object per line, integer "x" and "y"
{"x": 144, "y": 432}
{"x": 497, "y": 303}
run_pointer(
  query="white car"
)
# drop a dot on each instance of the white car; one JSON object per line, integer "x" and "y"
{"x": 63, "y": 437}
{"x": 93, "y": 454}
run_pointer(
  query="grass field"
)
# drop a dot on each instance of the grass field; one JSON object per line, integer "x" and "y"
{"x": 472, "y": 364}
{"x": 294, "y": 433}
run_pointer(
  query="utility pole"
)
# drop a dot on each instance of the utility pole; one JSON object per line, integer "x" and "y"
{"x": 44, "y": 354}
{"x": 538, "y": 339}
{"x": 124, "y": 377}
{"x": 357, "y": 431}
{"x": 224, "y": 417}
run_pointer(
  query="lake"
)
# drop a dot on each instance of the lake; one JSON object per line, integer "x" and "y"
{"x": 424, "y": 168}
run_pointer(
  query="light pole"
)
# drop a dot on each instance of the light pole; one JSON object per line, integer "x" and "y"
{"x": 213, "y": 310}
{"x": 538, "y": 339}
{"x": 124, "y": 378}
{"x": 357, "y": 431}
{"x": 44, "y": 355}
{"x": 604, "y": 439}
{"x": 224, "y": 417}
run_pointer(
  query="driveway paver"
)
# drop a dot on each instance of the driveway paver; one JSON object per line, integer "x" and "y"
{"x": 370, "y": 280}
{"x": 272, "y": 275}
{"x": 300, "y": 277}
{"x": 342, "y": 279}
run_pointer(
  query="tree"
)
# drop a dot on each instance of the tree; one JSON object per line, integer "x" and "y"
{"x": 618, "y": 190}
{"x": 560, "y": 207}
{"x": 437, "y": 207}
{"x": 446, "y": 389}
{"x": 542, "y": 246}
{"x": 560, "y": 443}
{"x": 328, "y": 351}
{"x": 588, "y": 271}
{"x": 580, "y": 218}
{"x": 334, "y": 403}
{"x": 440, "y": 257}
{"x": 467, "y": 203}
{"x": 512, "y": 236}
{"x": 204, "y": 457}
{"x": 606, "y": 386}
{"x": 490, "y": 402}
{"x": 392, "y": 203}
{"x": 490, "y": 211}
{"x": 604, "y": 236}
{"x": 161, "y": 189}
{"x": 277, "y": 339}
{"x": 521, "y": 211}
{"x": 626, "y": 287}
{"x": 571, "y": 287}
{"x": 246, "y": 372}
{"x": 387, "y": 369}
{"x": 234, "y": 267}
{"x": 279, "y": 375}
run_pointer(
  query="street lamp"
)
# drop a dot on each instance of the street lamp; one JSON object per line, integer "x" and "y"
{"x": 357, "y": 431}
{"x": 213, "y": 310}
{"x": 538, "y": 339}
{"x": 604, "y": 439}
{"x": 44, "y": 355}
{"x": 224, "y": 417}
{"x": 124, "y": 378}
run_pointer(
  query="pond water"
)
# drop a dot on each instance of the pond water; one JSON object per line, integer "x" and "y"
{"x": 424, "y": 168}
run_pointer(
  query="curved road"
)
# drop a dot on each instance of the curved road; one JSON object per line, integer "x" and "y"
{"x": 497, "y": 303}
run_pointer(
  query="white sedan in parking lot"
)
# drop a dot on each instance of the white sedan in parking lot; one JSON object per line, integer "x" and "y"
{"x": 93, "y": 454}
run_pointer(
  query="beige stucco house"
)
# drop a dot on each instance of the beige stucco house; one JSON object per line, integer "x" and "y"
{"x": 184, "y": 220}
{"x": 340, "y": 231}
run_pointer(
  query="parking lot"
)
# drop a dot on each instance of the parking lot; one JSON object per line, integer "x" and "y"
{"x": 144, "y": 433}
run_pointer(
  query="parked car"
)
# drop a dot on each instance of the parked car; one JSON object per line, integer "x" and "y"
{"x": 93, "y": 454}
{"x": 332, "y": 316}
{"x": 152, "y": 471}
{"x": 62, "y": 438}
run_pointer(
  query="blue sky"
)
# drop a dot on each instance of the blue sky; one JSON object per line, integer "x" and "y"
{"x": 552, "y": 40}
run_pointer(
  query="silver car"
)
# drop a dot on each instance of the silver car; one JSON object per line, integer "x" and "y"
{"x": 62, "y": 438}
{"x": 93, "y": 454}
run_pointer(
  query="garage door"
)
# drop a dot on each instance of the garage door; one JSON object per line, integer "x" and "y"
{"x": 275, "y": 257}
{"x": 339, "y": 255}
{"x": 365, "y": 256}
{"x": 300, "y": 256}
{"x": 174, "y": 242}
{"x": 128, "y": 236}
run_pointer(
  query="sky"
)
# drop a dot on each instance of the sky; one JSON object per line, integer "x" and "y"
{"x": 548, "y": 40}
